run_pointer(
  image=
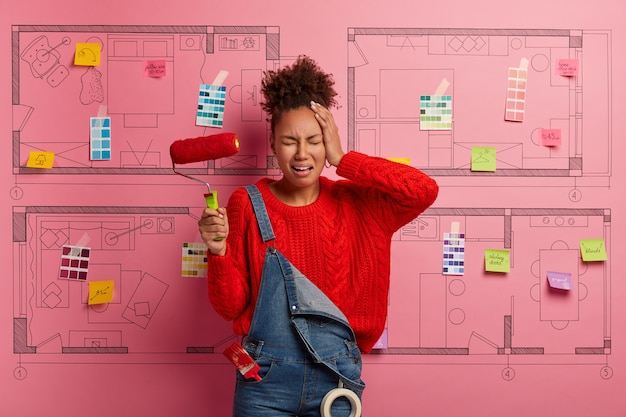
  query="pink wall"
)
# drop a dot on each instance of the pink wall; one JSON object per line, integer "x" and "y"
{"x": 476, "y": 344}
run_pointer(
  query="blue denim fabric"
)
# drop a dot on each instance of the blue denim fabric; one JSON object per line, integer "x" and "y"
{"x": 300, "y": 339}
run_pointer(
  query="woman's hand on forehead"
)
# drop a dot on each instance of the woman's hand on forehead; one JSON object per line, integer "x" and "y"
{"x": 332, "y": 141}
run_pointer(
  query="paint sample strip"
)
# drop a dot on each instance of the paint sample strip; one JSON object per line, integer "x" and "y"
{"x": 74, "y": 262}
{"x": 436, "y": 109}
{"x": 194, "y": 260}
{"x": 435, "y": 112}
{"x": 516, "y": 92}
{"x": 454, "y": 253}
{"x": 100, "y": 138}
{"x": 211, "y": 102}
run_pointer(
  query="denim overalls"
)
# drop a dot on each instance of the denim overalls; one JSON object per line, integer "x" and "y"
{"x": 301, "y": 340}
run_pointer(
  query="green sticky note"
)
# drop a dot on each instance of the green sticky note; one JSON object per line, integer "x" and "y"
{"x": 483, "y": 158}
{"x": 497, "y": 260}
{"x": 592, "y": 250}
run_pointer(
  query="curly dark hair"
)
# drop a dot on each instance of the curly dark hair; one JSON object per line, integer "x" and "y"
{"x": 296, "y": 86}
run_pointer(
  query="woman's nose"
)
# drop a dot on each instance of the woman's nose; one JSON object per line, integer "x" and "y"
{"x": 302, "y": 150}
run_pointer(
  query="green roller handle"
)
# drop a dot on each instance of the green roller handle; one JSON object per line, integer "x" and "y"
{"x": 211, "y": 202}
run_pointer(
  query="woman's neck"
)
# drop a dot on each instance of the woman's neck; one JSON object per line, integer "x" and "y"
{"x": 293, "y": 196}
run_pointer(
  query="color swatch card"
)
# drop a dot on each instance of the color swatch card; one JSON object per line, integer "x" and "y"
{"x": 100, "y": 138}
{"x": 436, "y": 112}
{"x": 453, "y": 253}
{"x": 516, "y": 92}
{"x": 194, "y": 260}
{"x": 211, "y": 101}
{"x": 74, "y": 262}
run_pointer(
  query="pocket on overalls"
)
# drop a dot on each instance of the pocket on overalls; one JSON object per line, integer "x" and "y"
{"x": 349, "y": 363}
{"x": 320, "y": 321}
{"x": 265, "y": 363}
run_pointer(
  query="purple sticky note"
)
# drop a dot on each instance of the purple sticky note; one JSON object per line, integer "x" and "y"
{"x": 560, "y": 280}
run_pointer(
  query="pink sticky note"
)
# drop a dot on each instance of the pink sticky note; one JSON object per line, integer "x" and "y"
{"x": 560, "y": 280}
{"x": 550, "y": 137}
{"x": 567, "y": 67}
{"x": 154, "y": 68}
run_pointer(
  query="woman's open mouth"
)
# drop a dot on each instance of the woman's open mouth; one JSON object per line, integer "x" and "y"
{"x": 302, "y": 171}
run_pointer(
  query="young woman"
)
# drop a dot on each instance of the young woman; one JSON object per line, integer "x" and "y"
{"x": 302, "y": 268}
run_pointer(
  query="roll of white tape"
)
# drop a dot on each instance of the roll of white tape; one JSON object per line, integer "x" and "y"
{"x": 332, "y": 395}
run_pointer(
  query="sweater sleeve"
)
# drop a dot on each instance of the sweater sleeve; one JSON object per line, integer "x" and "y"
{"x": 228, "y": 280}
{"x": 395, "y": 193}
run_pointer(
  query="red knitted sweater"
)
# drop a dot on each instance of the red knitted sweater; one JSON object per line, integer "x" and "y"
{"x": 341, "y": 242}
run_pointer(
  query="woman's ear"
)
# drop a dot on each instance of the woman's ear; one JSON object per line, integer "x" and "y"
{"x": 272, "y": 144}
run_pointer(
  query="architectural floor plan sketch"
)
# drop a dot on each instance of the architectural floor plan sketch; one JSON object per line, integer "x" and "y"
{"x": 515, "y": 318}
{"x": 51, "y": 315}
{"x": 512, "y": 318}
{"x": 52, "y": 321}
{"x": 390, "y": 69}
{"x": 144, "y": 111}
{"x": 506, "y": 320}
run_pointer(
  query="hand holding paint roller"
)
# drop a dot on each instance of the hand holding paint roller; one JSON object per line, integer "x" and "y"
{"x": 204, "y": 148}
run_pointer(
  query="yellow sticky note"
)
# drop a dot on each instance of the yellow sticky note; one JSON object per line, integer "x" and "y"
{"x": 100, "y": 292}
{"x": 483, "y": 158}
{"x": 497, "y": 260}
{"x": 40, "y": 159}
{"x": 87, "y": 54}
{"x": 593, "y": 250}
{"x": 405, "y": 161}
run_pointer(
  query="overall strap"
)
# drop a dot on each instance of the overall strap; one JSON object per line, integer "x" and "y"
{"x": 261, "y": 213}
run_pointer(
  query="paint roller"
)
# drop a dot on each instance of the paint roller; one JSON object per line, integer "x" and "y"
{"x": 204, "y": 148}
